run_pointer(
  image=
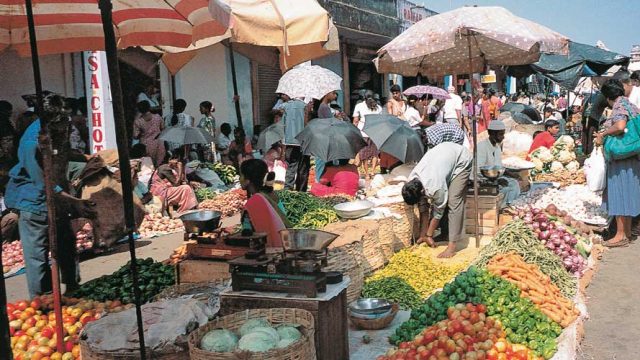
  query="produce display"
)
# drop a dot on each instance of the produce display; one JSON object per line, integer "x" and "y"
{"x": 583, "y": 204}
{"x": 393, "y": 289}
{"x": 560, "y": 157}
{"x": 12, "y": 257}
{"x": 563, "y": 177}
{"x": 556, "y": 237}
{"x": 522, "y": 322}
{"x": 307, "y": 211}
{"x": 466, "y": 333}
{"x": 226, "y": 173}
{"x": 255, "y": 335}
{"x": 418, "y": 271}
{"x": 228, "y": 203}
{"x": 32, "y": 326}
{"x": 514, "y": 162}
{"x": 535, "y": 286}
{"x": 205, "y": 194}
{"x": 517, "y": 237}
{"x": 84, "y": 238}
{"x": 156, "y": 224}
{"x": 153, "y": 278}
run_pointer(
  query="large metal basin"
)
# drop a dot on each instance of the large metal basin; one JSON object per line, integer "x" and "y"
{"x": 201, "y": 221}
{"x": 353, "y": 209}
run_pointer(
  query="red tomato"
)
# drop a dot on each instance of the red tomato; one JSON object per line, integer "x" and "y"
{"x": 481, "y": 308}
{"x": 474, "y": 317}
{"x": 405, "y": 345}
{"x": 470, "y": 307}
{"x": 492, "y": 354}
{"x": 22, "y": 305}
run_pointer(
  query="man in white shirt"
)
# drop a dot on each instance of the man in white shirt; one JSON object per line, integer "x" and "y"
{"x": 453, "y": 107}
{"x": 439, "y": 182}
{"x": 634, "y": 96}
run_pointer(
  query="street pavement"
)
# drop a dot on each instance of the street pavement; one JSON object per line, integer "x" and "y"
{"x": 613, "y": 328}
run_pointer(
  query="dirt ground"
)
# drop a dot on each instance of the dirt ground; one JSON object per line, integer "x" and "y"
{"x": 613, "y": 330}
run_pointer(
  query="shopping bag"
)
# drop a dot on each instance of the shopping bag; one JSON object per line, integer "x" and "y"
{"x": 595, "y": 170}
{"x": 626, "y": 144}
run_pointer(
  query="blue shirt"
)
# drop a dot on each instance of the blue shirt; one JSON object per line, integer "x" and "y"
{"x": 25, "y": 190}
{"x": 293, "y": 119}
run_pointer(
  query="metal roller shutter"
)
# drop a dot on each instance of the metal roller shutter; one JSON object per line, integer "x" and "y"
{"x": 268, "y": 78}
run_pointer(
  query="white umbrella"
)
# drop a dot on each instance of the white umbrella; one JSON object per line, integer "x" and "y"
{"x": 308, "y": 81}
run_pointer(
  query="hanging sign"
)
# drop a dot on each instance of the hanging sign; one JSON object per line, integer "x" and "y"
{"x": 99, "y": 101}
{"x": 488, "y": 79}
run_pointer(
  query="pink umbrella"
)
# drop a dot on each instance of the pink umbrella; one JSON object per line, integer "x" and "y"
{"x": 434, "y": 91}
{"x": 465, "y": 40}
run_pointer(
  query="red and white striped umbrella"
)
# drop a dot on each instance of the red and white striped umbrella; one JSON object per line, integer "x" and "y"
{"x": 75, "y": 25}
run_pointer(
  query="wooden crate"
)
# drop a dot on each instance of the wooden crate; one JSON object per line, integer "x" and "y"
{"x": 329, "y": 311}
{"x": 195, "y": 271}
{"x": 489, "y": 214}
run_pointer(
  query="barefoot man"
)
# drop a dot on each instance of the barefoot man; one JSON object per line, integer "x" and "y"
{"x": 439, "y": 181}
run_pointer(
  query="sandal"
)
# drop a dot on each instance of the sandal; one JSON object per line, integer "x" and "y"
{"x": 622, "y": 243}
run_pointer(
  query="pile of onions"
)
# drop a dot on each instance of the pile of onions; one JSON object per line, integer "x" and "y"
{"x": 84, "y": 238}
{"x": 556, "y": 238}
{"x": 12, "y": 257}
{"x": 156, "y": 224}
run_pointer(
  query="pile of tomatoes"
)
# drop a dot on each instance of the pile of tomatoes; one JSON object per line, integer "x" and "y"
{"x": 32, "y": 326}
{"x": 467, "y": 334}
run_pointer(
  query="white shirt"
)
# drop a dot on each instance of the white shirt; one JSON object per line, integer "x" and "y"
{"x": 361, "y": 111}
{"x": 488, "y": 154}
{"x": 412, "y": 116}
{"x": 634, "y": 97}
{"x": 451, "y": 105}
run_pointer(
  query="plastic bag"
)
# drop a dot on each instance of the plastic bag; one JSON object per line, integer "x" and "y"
{"x": 595, "y": 170}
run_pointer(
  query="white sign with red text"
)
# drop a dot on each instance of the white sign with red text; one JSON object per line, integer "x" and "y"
{"x": 99, "y": 101}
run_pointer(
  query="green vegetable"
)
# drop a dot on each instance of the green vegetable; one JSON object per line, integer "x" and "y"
{"x": 285, "y": 342}
{"x": 289, "y": 332}
{"x": 306, "y": 211}
{"x": 518, "y": 237}
{"x": 226, "y": 173}
{"x": 393, "y": 289}
{"x": 268, "y": 330}
{"x": 250, "y": 324}
{"x": 257, "y": 342}
{"x": 219, "y": 340}
{"x": 205, "y": 194}
{"x": 153, "y": 277}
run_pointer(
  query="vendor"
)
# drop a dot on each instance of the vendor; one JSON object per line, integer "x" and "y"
{"x": 490, "y": 155}
{"x": 547, "y": 137}
{"x": 263, "y": 211}
{"x": 440, "y": 180}
{"x": 341, "y": 178}
{"x": 169, "y": 184}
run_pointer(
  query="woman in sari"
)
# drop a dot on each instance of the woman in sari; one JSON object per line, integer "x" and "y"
{"x": 169, "y": 184}
{"x": 263, "y": 211}
{"x": 147, "y": 129}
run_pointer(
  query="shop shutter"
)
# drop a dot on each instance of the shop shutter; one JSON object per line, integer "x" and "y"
{"x": 268, "y": 78}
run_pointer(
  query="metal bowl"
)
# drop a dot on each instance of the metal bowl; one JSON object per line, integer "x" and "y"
{"x": 372, "y": 316}
{"x": 492, "y": 172}
{"x": 306, "y": 239}
{"x": 201, "y": 221}
{"x": 369, "y": 306}
{"x": 354, "y": 209}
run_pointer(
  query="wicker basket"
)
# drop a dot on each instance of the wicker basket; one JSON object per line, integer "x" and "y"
{"x": 386, "y": 237}
{"x": 201, "y": 291}
{"x": 403, "y": 227}
{"x": 346, "y": 259}
{"x": 89, "y": 354}
{"x": 373, "y": 257}
{"x": 304, "y": 349}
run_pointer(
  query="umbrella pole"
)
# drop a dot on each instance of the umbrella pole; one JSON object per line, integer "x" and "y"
{"x": 5, "y": 342}
{"x": 47, "y": 163}
{"x": 232, "y": 62}
{"x": 123, "y": 155}
{"x": 474, "y": 130}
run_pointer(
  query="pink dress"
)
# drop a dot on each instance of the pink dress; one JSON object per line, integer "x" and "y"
{"x": 264, "y": 218}
{"x": 148, "y": 131}
{"x": 337, "y": 180}
{"x": 182, "y": 195}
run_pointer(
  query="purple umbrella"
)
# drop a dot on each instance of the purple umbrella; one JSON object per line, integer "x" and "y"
{"x": 420, "y": 90}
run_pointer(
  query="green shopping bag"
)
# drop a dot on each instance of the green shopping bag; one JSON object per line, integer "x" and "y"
{"x": 626, "y": 144}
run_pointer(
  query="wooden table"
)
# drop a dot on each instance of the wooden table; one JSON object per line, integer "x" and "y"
{"x": 329, "y": 310}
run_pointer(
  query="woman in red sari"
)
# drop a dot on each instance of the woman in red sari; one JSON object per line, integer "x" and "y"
{"x": 168, "y": 183}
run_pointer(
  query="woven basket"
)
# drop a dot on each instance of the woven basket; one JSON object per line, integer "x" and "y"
{"x": 373, "y": 257}
{"x": 89, "y": 354}
{"x": 303, "y": 349}
{"x": 346, "y": 259}
{"x": 202, "y": 291}
{"x": 403, "y": 227}
{"x": 386, "y": 237}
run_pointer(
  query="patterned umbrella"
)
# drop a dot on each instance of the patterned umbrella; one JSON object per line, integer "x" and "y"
{"x": 331, "y": 139}
{"x": 434, "y": 91}
{"x": 75, "y": 25}
{"x": 445, "y": 43}
{"x": 308, "y": 81}
{"x": 395, "y": 137}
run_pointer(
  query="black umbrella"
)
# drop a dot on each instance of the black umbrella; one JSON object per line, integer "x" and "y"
{"x": 394, "y": 136}
{"x": 331, "y": 139}
{"x": 521, "y": 113}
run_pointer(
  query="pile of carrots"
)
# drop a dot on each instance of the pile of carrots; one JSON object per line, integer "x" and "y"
{"x": 535, "y": 286}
